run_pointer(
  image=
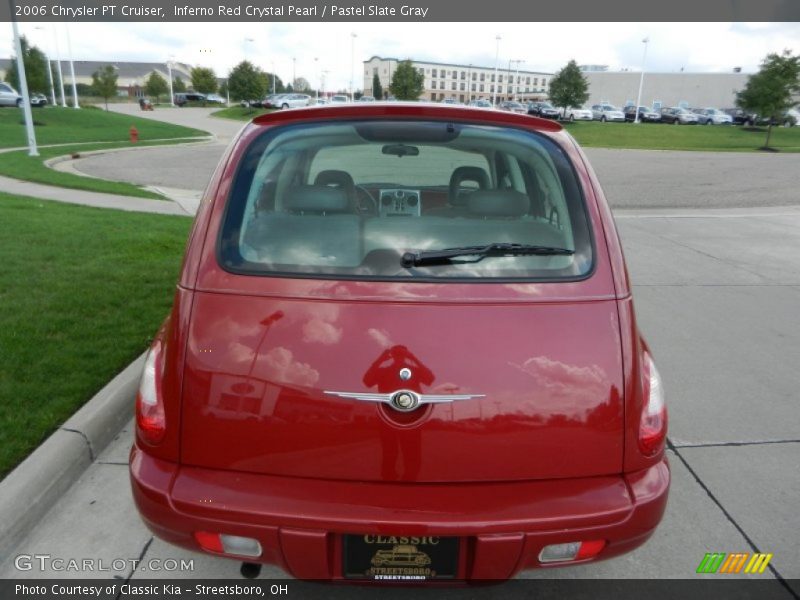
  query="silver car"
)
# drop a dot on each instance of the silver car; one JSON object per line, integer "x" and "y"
{"x": 578, "y": 114}
{"x": 607, "y": 112}
{"x": 294, "y": 101}
{"x": 712, "y": 116}
{"x": 9, "y": 96}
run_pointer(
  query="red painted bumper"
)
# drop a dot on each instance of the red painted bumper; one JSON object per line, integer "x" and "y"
{"x": 299, "y": 522}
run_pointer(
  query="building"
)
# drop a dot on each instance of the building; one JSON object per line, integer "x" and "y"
{"x": 695, "y": 90}
{"x": 131, "y": 76}
{"x": 463, "y": 82}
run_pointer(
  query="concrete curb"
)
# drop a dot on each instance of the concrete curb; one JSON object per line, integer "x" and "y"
{"x": 40, "y": 480}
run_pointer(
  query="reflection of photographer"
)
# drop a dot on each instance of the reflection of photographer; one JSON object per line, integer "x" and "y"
{"x": 385, "y": 371}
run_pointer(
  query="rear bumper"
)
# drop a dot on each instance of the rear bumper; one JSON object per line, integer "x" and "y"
{"x": 299, "y": 522}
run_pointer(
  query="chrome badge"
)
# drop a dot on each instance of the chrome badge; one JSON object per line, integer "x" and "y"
{"x": 404, "y": 400}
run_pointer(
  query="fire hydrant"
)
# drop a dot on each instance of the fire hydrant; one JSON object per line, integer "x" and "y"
{"x": 134, "y": 134}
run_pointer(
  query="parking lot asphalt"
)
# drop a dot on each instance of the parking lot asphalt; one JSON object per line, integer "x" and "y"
{"x": 717, "y": 298}
{"x": 631, "y": 178}
{"x": 717, "y": 294}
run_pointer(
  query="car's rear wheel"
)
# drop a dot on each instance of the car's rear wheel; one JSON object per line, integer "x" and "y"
{"x": 285, "y": 106}
{"x": 572, "y": 118}
{"x": 19, "y": 103}
{"x": 603, "y": 119}
{"x": 676, "y": 122}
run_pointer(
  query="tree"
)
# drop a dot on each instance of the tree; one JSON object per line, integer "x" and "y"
{"x": 407, "y": 82}
{"x": 569, "y": 87}
{"x": 204, "y": 80}
{"x": 178, "y": 85}
{"x": 35, "y": 69}
{"x": 301, "y": 85}
{"x": 104, "y": 83}
{"x": 246, "y": 82}
{"x": 769, "y": 92}
{"x": 377, "y": 88}
{"x": 156, "y": 85}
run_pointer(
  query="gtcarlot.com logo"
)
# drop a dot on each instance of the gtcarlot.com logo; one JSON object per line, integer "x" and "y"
{"x": 47, "y": 562}
{"x": 734, "y": 562}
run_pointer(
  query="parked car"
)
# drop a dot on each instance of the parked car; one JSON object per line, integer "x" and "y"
{"x": 38, "y": 100}
{"x": 607, "y": 112}
{"x": 578, "y": 114}
{"x": 515, "y": 107}
{"x": 9, "y": 96}
{"x": 480, "y": 104}
{"x": 675, "y": 115}
{"x": 272, "y": 101}
{"x": 451, "y": 102}
{"x": 367, "y": 99}
{"x": 145, "y": 104}
{"x": 317, "y": 390}
{"x": 740, "y": 116}
{"x": 216, "y": 99}
{"x": 294, "y": 101}
{"x": 339, "y": 99}
{"x": 712, "y": 116}
{"x": 183, "y": 98}
{"x": 646, "y": 115}
{"x": 791, "y": 118}
{"x": 321, "y": 101}
{"x": 543, "y": 109}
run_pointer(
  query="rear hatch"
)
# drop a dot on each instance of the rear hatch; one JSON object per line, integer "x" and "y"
{"x": 546, "y": 376}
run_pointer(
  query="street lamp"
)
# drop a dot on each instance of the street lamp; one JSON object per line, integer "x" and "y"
{"x": 23, "y": 87}
{"x": 72, "y": 71}
{"x": 60, "y": 72}
{"x": 294, "y": 74}
{"x": 316, "y": 68}
{"x": 353, "y": 37}
{"x": 49, "y": 72}
{"x": 496, "y": 58}
{"x": 641, "y": 79}
{"x": 469, "y": 84}
{"x": 169, "y": 75}
{"x": 516, "y": 77}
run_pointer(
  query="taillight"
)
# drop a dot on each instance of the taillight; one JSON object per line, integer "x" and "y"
{"x": 653, "y": 424}
{"x": 150, "y": 419}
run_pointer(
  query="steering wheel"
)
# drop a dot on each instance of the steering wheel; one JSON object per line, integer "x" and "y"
{"x": 361, "y": 192}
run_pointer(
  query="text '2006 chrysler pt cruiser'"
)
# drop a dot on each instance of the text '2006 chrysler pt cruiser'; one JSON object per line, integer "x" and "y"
{"x": 402, "y": 347}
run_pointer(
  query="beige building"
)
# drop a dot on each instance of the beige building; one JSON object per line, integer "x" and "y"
{"x": 131, "y": 76}
{"x": 463, "y": 82}
{"x": 665, "y": 89}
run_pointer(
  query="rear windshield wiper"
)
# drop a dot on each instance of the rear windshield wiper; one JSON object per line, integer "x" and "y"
{"x": 443, "y": 257}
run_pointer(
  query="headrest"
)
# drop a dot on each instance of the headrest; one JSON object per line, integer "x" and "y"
{"x": 316, "y": 199}
{"x": 497, "y": 203}
{"x": 342, "y": 179}
{"x": 461, "y": 174}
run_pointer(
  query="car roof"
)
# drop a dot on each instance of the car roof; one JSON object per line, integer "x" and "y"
{"x": 408, "y": 110}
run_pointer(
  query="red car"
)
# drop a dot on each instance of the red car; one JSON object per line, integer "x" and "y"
{"x": 402, "y": 347}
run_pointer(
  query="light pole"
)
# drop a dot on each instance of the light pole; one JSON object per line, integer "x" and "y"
{"x": 72, "y": 71}
{"x": 353, "y": 37}
{"x": 496, "y": 58}
{"x": 294, "y": 74}
{"x": 322, "y": 81}
{"x": 641, "y": 79}
{"x": 316, "y": 68}
{"x": 169, "y": 75}
{"x": 23, "y": 86}
{"x": 60, "y": 72}
{"x": 469, "y": 84}
{"x": 273, "y": 77}
{"x": 516, "y": 78}
{"x": 49, "y": 72}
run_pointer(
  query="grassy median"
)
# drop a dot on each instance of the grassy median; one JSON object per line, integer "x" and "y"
{"x": 241, "y": 113}
{"x": 56, "y": 125}
{"x": 82, "y": 292}
{"x": 659, "y": 136}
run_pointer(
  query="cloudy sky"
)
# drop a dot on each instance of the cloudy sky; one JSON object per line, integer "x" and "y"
{"x": 543, "y": 46}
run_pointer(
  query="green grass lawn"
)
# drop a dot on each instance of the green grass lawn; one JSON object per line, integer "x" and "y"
{"x": 82, "y": 292}
{"x": 657, "y": 136}
{"x": 56, "y": 125}
{"x": 240, "y": 113}
{"x": 19, "y": 165}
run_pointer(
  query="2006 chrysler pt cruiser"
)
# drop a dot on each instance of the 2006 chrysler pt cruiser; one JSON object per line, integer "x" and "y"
{"x": 402, "y": 347}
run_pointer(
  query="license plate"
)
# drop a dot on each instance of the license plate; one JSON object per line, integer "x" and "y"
{"x": 400, "y": 558}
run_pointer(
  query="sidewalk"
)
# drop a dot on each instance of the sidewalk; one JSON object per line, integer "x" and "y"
{"x": 95, "y": 199}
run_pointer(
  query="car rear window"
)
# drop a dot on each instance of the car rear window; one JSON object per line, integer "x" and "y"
{"x": 348, "y": 199}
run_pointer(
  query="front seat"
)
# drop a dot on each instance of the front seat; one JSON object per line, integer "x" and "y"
{"x": 342, "y": 180}
{"x": 457, "y": 196}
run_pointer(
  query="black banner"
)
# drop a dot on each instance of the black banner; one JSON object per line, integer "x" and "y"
{"x": 706, "y": 587}
{"x": 397, "y": 10}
